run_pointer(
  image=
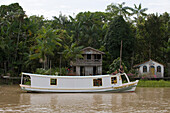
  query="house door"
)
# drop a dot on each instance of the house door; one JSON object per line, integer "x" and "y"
{"x": 82, "y": 71}
{"x": 152, "y": 70}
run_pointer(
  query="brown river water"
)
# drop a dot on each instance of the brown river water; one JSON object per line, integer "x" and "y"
{"x": 145, "y": 100}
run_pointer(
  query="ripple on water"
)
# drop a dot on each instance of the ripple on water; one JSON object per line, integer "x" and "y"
{"x": 143, "y": 100}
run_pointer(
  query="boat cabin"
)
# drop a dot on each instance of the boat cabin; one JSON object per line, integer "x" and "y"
{"x": 99, "y": 83}
{"x": 90, "y": 64}
{"x": 151, "y": 69}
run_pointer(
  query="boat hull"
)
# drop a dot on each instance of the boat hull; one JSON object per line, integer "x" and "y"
{"x": 129, "y": 87}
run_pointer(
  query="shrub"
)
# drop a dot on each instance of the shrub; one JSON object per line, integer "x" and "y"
{"x": 153, "y": 83}
{"x": 116, "y": 65}
{"x": 53, "y": 71}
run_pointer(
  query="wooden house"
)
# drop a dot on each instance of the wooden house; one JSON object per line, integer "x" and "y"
{"x": 90, "y": 64}
{"x": 150, "y": 68}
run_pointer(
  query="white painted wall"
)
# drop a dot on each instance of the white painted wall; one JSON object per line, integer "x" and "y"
{"x": 88, "y": 71}
{"x": 78, "y": 70}
{"x": 151, "y": 63}
{"x": 43, "y": 81}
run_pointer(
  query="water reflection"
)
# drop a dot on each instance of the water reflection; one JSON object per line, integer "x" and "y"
{"x": 12, "y": 99}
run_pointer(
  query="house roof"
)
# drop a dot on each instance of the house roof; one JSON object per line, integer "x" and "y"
{"x": 93, "y": 50}
{"x": 138, "y": 65}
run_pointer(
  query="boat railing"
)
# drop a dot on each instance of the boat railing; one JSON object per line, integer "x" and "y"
{"x": 25, "y": 79}
{"x": 124, "y": 74}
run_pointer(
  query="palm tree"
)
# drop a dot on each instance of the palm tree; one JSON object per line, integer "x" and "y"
{"x": 138, "y": 11}
{"x": 76, "y": 29}
{"x": 72, "y": 52}
{"x": 47, "y": 40}
{"x": 118, "y": 10}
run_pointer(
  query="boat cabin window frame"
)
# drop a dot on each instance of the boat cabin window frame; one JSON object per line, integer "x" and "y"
{"x": 113, "y": 80}
{"x": 53, "y": 81}
{"x": 97, "y": 82}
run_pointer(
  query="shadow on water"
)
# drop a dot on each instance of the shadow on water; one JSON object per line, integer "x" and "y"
{"x": 12, "y": 99}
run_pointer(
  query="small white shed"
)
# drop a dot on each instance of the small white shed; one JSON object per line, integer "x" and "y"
{"x": 150, "y": 67}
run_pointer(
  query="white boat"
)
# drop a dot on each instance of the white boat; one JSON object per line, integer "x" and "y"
{"x": 99, "y": 83}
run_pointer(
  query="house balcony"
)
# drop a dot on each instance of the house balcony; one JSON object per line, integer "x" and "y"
{"x": 88, "y": 62}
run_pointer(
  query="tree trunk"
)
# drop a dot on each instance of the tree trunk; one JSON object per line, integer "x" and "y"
{"x": 121, "y": 54}
{"x": 50, "y": 67}
{"x": 17, "y": 41}
{"x": 5, "y": 70}
{"x": 149, "y": 51}
{"x": 60, "y": 64}
{"x": 132, "y": 59}
{"x": 44, "y": 61}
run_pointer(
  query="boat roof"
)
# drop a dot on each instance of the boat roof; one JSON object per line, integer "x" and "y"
{"x": 54, "y": 76}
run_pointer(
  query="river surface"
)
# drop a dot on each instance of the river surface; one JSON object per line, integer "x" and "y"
{"x": 146, "y": 100}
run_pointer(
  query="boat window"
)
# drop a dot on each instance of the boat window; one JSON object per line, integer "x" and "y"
{"x": 97, "y": 82}
{"x": 113, "y": 80}
{"x": 53, "y": 81}
{"x": 26, "y": 80}
{"x": 124, "y": 79}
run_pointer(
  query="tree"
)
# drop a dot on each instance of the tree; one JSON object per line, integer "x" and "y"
{"x": 119, "y": 30}
{"x": 46, "y": 42}
{"x": 138, "y": 11}
{"x": 115, "y": 66}
{"x": 140, "y": 15}
{"x": 12, "y": 21}
{"x": 72, "y": 52}
{"x": 118, "y": 9}
{"x": 164, "y": 18}
{"x": 88, "y": 27}
{"x": 60, "y": 22}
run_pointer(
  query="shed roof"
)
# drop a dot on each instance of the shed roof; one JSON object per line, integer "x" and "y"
{"x": 93, "y": 50}
{"x": 138, "y": 65}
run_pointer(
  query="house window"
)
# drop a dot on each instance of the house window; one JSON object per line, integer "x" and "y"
{"x": 144, "y": 68}
{"x": 98, "y": 56}
{"x": 113, "y": 80}
{"x": 97, "y": 82}
{"x": 158, "y": 68}
{"x": 53, "y": 81}
{"x": 88, "y": 56}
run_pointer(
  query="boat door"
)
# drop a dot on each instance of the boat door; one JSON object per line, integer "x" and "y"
{"x": 82, "y": 71}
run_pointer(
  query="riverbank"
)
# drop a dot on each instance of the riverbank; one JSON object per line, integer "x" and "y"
{"x": 153, "y": 83}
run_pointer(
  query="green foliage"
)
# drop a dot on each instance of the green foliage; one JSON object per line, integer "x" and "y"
{"x": 53, "y": 71}
{"x": 118, "y": 9}
{"x": 138, "y": 10}
{"x": 27, "y": 83}
{"x": 72, "y": 52}
{"x": 46, "y": 43}
{"x": 28, "y": 43}
{"x": 153, "y": 83}
{"x": 116, "y": 66}
{"x": 119, "y": 30}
